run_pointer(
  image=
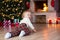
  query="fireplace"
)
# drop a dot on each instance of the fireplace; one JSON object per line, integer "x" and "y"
{"x": 40, "y": 19}
{"x": 41, "y": 5}
{"x": 40, "y": 15}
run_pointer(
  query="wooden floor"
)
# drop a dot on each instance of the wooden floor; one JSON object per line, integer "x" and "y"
{"x": 44, "y": 32}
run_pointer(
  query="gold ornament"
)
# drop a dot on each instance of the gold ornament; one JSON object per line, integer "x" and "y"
{"x": 20, "y": 1}
{"x": 12, "y": 17}
{"x": 9, "y": 8}
{"x": 6, "y": 10}
{"x": 16, "y": 9}
{"x": 7, "y": 5}
{"x": 2, "y": 1}
{"x": 13, "y": 9}
{"x": 16, "y": 0}
{"x": 3, "y": 15}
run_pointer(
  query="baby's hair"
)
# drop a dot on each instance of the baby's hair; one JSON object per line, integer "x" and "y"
{"x": 23, "y": 15}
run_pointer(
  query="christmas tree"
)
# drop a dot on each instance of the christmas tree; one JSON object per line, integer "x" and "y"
{"x": 13, "y": 9}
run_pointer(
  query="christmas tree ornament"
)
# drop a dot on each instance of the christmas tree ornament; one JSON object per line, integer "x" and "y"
{"x": 52, "y": 3}
{"x": 18, "y": 4}
{"x": 28, "y": 4}
{"x": 7, "y": 5}
{"x": 2, "y": 1}
{"x": 20, "y": 1}
{"x": 13, "y": 7}
{"x": 6, "y": 10}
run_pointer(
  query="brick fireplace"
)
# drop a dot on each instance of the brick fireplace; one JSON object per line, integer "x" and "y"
{"x": 40, "y": 18}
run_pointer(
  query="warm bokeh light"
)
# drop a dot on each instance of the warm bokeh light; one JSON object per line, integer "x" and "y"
{"x": 3, "y": 15}
{"x": 12, "y": 17}
{"x": 45, "y": 8}
{"x": 20, "y": 1}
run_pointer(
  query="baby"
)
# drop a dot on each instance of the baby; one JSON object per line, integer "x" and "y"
{"x": 22, "y": 30}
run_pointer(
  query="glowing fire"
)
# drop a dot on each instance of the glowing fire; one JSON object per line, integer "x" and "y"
{"x": 45, "y": 8}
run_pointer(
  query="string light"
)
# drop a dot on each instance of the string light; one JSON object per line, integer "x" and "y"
{"x": 12, "y": 17}
{"x": 12, "y": 7}
{"x": 2, "y": 1}
{"x": 20, "y": 1}
{"x": 3, "y": 15}
{"x": 7, "y": 5}
{"x": 6, "y": 10}
{"x": 18, "y": 4}
{"x": 9, "y": 8}
{"x": 16, "y": 0}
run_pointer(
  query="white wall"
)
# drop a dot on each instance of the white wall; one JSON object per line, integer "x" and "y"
{"x": 32, "y": 6}
{"x": 50, "y": 8}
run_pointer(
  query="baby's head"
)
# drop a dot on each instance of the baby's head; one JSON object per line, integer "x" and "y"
{"x": 26, "y": 14}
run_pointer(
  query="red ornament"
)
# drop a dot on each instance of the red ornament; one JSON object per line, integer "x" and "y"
{"x": 50, "y": 21}
{"x": 28, "y": 4}
{"x": 12, "y": 24}
{"x": 56, "y": 21}
{"x": 52, "y": 3}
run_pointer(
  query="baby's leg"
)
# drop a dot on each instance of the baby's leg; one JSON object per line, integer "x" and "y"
{"x": 14, "y": 33}
{"x": 7, "y": 35}
{"x": 22, "y": 33}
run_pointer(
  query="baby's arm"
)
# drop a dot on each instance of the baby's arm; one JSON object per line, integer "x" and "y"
{"x": 31, "y": 25}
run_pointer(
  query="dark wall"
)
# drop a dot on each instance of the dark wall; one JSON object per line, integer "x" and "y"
{"x": 57, "y": 7}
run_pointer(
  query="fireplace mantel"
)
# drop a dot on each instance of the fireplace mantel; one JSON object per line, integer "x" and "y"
{"x": 49, "y": 15}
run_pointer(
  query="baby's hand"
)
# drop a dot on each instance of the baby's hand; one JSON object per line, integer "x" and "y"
{"x": 34, "y": 30}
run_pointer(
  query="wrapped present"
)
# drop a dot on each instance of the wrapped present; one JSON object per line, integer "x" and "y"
{"x": 1, "y": 24}
{"x": 17, "y": 30}
{"x": 7, "y": 25}
{"x": 16, "y": 20}
{"x": 12, "y": 24}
